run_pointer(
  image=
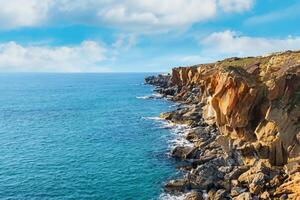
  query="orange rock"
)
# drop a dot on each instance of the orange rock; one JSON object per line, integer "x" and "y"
{"x": 291, "y": 187}
{"x": 251, "y": 100}
{"x": 255, "y": 103}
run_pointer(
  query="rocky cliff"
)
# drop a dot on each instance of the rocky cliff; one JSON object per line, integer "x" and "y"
{"x": 246, "y": 112}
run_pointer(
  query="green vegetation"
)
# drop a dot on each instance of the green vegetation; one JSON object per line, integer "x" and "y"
{"x": 243, "y": 62}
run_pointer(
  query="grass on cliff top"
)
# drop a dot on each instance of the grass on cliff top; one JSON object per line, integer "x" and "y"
{"x": 243, "y": 62}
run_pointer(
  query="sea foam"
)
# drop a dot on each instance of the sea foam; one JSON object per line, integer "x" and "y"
{"x": 166, "y": 196}
{"x": 152, "y": 96}
{"x": 178, "y": 132}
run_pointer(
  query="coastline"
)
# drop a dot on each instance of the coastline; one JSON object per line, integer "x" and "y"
{"x": 192, "y": 131}
{"x": 242, "y": 127}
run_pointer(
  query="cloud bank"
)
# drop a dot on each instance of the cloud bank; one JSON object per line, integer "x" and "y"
{"x": 151, "y": 15}
{"x": 86, "y": 57}
{"x": 90, "y": 56}
{"x": 230, "y": 43}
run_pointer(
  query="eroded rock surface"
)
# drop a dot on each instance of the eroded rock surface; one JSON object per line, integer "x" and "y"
{"x": 244, "y": 115}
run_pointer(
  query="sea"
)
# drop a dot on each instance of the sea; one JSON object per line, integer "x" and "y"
{"x": 83, "y": 136}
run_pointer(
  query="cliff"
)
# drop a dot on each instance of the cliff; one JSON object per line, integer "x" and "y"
{"x": 254, "y": 103}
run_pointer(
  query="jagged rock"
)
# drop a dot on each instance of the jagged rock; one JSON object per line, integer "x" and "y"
{"x": 285, "y": 197}
{"x": 198, "y": 134}
{"x": 256, "y": 189}
{"x": 171, "y": 91}
{"x": 291, "y": 187}
{"x": 205, "y": 176}
{"x": 185, "y": 167}
{"x": 244, "y": 196}
{"x": 275, "y": 181}
{"x": 220, "y": 195}
{"x": 167, "y": 115}
{"x": 177, "y": 185}
{"x": 194, "y": 195}
{"x": 192, "y": 136}
{"x": 202, "y": 160}
{"x": 261, "y": 169}
{"x": 292, "y": 167}
{"x": 236, "y": 172}
{"x": 162, "y": 80}
{"x": 182, "y": 152}
{"x": 235, "y": 183}
{"x": 249, "y": 178}
{"x": 225, "y": 143}
{"x": 211, "y": 194}
{"x": 235, "y": 191}
{"x": 225, "y": 169}
{"x": 265, "y": 195}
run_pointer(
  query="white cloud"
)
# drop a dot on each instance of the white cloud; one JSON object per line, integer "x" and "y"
{"x": 16, "y": 13}
{"x": 230, "y": 43}
{"x": 158, "y": 14}
{"x": 141, "y": 15}
{"x": 82, "y": 58}
{"x": 236, "y": 5}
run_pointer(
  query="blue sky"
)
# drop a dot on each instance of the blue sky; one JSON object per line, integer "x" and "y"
{"x": 140, "y": 35}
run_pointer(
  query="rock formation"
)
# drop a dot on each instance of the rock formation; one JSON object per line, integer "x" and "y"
{"x": 244, "y": 114}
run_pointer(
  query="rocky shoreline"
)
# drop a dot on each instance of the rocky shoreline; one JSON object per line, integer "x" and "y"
{"x": 244, "y": 127}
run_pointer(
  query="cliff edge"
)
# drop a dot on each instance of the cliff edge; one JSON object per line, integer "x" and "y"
{"x": 244, "y": 115}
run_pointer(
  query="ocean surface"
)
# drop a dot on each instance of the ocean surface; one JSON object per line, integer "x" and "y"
{"x": 81, "y": 136}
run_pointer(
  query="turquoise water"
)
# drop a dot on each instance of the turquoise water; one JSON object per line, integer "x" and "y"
{"x": 80, "y": 136}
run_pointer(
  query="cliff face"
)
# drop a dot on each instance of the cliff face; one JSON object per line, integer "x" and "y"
{"x": 255, "y": 103}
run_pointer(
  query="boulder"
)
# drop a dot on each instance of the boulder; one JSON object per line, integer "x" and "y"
{"x": 184, "y": 152}
{"x": 205, "y": 176}
{"x": 179, "y": 185}
{"x": 221, "y": 195}
{"x": 236, "y": 172}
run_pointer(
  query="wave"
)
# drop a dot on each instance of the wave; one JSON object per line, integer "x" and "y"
{"x": 177, "y": 138}
{"x": 165, "y": 196}
{"x": 153, "y": 118}
{"x": 152, "y": 96}
{"x": 181, "y": 196}
{"x": 178, "y": 132}
{"x": 144, "y": 97}
{"x": 174, "y": 105}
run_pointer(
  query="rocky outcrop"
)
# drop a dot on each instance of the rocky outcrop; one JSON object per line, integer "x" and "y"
{"x": 245, "y": 117}
{"x": 162, "y": 80}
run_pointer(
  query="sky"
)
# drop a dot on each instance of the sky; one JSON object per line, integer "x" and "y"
{"x": 140, "y": 35}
